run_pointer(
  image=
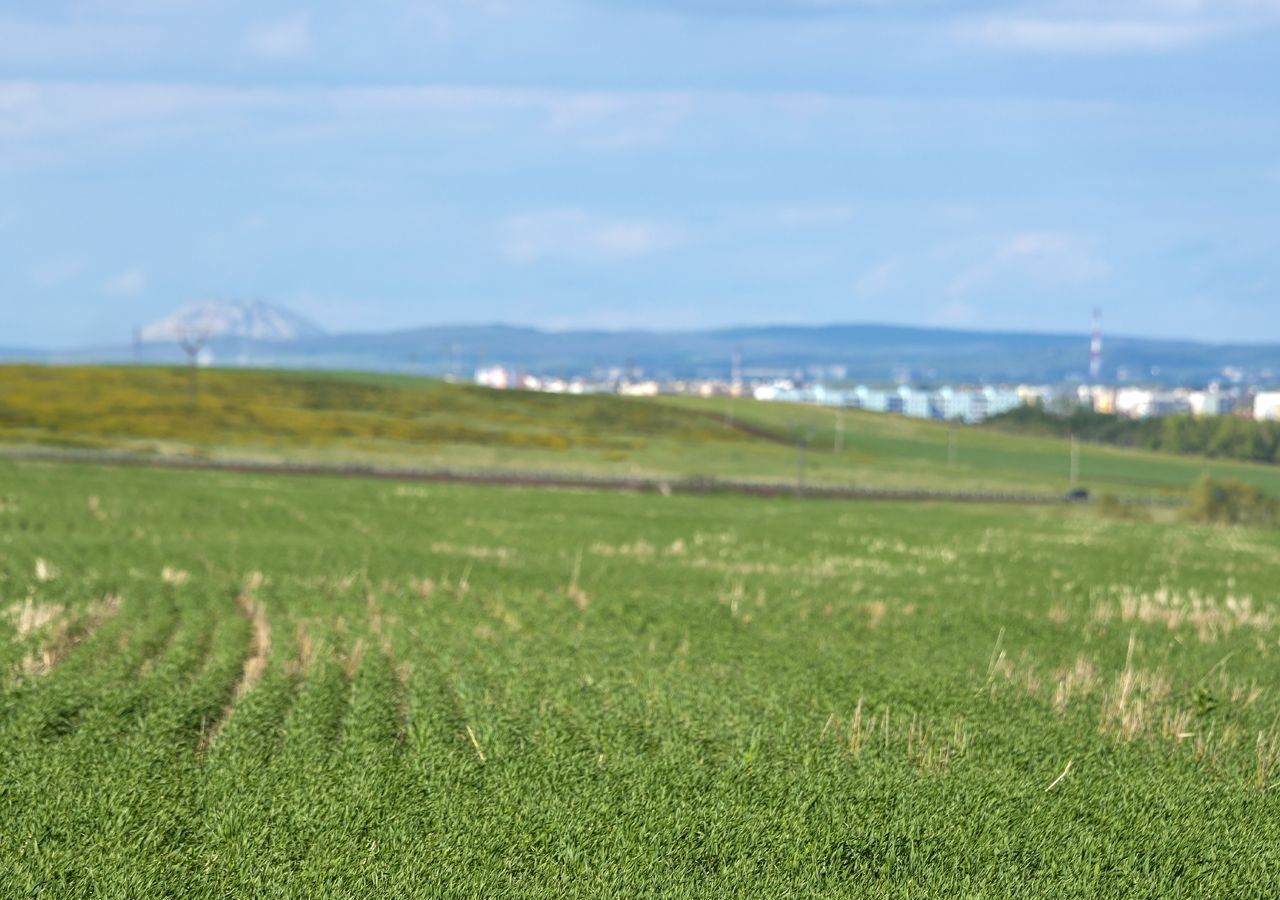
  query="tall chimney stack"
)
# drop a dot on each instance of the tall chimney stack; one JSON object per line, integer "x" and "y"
{"x": 1095, "y": 347}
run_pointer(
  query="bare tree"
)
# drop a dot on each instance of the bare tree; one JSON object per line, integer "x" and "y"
{"x": 192, "y": 340}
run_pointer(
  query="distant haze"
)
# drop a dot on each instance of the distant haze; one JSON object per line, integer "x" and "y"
{"x": 212, "y": 319}
{"x": 240, "y": 333}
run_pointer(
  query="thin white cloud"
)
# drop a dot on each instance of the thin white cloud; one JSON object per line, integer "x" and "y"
{"x": 282, "y": 39}
{"x": 24, "y": 42}
{"x": 1116, "y": 26}
{"x": 132, "y": 282}
{"x": 50, "y": 109}
{"x": 581, "y": 236}
{"x": 35, "y": 114}
{"x": 818, "y": 216}
{"x": 880, "y": 278}
{"x": 954, "y": 314}
{"x": 55, "y": 272}
{"x": 1090, "y": 37}
{"x": 1046, "y": 258}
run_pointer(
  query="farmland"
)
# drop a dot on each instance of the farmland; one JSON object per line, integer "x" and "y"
{"x": 344, "y": 418}
{"x": 225, "y": 685}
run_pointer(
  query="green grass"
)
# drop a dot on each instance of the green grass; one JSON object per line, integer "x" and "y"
{"x": 919, "y": 451}
{"x": 403, "y": 421}
{"x": 223, "y": 685}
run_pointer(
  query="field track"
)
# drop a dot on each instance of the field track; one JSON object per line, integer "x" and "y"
{"x": 532, "y": 479}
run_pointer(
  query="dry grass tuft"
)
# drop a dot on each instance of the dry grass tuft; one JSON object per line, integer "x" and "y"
{"x": 63, "y": 632}
{"x": 640, "y": 549}
{"x": 579, "y": 597}
{"x": 876, "y": 610}
{"x": 574, "y": 591}
{"x": 1175, "y": 725}
{"x": 1210, "y": 617}
{"x": 45, "y": 571}
{"x": 260, "y": 646}
{"x": 175, "y": 577}
{"x": 927, "y": 747}
{"x": 305, "y": 650}
{"x": 1129, "y": 707}
{"x": 29, "y": 616}
{"x": 502, "y": 554}
{"x": 351, "y": 662}
{"x": 735, "y": 597}
{"x": 1080, "y": 680}
{"x": 255, "y": 664}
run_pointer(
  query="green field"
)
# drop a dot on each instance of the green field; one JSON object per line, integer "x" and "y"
{"x": 939, "y": 454}
{"x": 223, "y": 685}
{"x": 414, "y": 422}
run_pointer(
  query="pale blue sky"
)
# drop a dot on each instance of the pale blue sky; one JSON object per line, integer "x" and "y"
{"x": 643, "y": 163}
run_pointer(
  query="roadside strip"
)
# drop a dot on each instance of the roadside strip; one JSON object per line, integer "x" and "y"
{"x": 507, "y": 478}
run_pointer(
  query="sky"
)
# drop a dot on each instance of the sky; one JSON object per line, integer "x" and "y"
{"x": 659, "y": 164}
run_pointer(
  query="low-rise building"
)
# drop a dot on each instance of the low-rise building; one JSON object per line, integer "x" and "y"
{"x": 918, "y": 404}
{"x": 1144, "y": 403}
{"x": 1266, "y": 406}
{"x": 638, "y": 388}
{"x": 1210, "y": 402}
{"x": 494, "y": 377}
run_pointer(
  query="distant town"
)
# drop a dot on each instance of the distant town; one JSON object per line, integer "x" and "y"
{"x": 967, "y": 403}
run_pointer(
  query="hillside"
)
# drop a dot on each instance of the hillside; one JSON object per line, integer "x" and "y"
{"x": 161, "y": 407}
{"x": 252, "y": 320}
{"x": 898, "y": 450}
{"x": 415, "y": 422}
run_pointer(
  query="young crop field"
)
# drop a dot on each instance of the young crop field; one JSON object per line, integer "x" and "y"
{"x": 223, "y": 685}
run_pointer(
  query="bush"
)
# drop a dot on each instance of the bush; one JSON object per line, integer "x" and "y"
{"x": 1230, "y": 502}
{"x": 1110, "y": 506}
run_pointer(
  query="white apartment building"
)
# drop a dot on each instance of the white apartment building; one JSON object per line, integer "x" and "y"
{"x": 1266, "y": 406}
{"x": 1211, "y": 402}
{"x": 1142, "y": 403}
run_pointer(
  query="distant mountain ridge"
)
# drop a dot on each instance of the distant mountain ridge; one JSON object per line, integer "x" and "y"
{"x": 223, "y": 319}
{"x": 250, "y": 333}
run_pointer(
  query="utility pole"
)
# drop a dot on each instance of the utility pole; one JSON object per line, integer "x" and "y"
{"x": 1075, "y": 460}
{"x": 803, "y": 436}
{"x": 839, "y": 444}
{"x": 1095, "y": 347}
{"x": 800, "y": 448}
{"x": 192, "y": 342}
{"x": 735, "y": 385}
{"x": 951, "y": 445}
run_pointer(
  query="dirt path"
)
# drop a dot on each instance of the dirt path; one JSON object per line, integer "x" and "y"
{"x": 550, "y": 480}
